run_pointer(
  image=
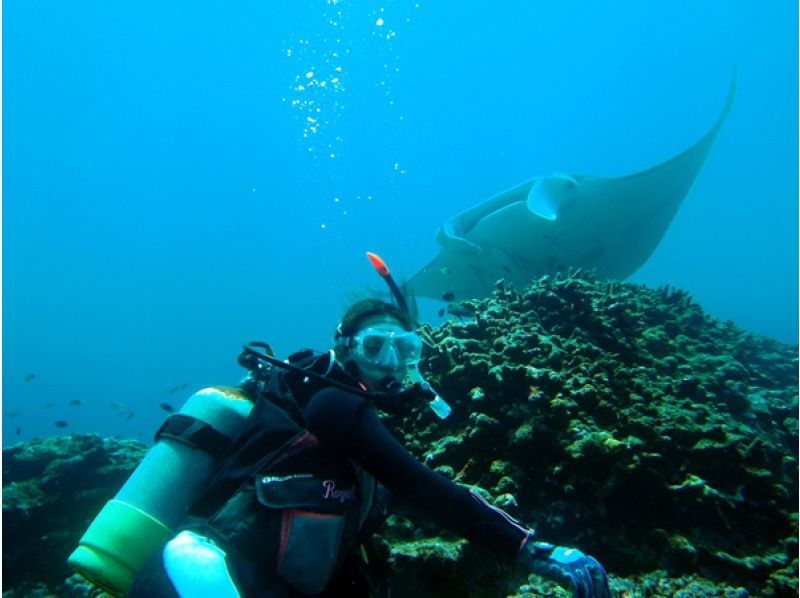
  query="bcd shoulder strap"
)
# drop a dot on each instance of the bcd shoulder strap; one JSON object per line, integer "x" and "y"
{"x": 274, "y": 422}
{"x": 194, "y": 433}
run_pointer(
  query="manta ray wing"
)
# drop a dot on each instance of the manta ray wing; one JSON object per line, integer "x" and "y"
{"x": 611, "y": 225}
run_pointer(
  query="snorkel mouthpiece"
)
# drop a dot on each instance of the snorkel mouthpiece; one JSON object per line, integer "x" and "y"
{"x": 437, "y": 403}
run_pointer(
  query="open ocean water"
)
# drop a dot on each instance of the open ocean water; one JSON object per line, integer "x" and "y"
{"x": 180, "y": 178}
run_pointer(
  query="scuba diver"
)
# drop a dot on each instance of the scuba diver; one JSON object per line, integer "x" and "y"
{"x": 306, "y": 480}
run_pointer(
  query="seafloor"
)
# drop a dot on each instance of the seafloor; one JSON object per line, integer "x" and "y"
{"x": 616, "y": 418}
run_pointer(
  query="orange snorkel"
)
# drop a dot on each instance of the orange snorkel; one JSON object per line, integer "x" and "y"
{"x": 378, "y": 263}
{"x": 436, "y": 403}
{"x": 383, "y": 270}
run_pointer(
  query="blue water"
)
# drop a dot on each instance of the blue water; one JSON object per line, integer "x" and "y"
{"x": 166, "y": 196}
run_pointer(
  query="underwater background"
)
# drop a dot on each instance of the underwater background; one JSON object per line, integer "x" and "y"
{"x": 180, "y": 178}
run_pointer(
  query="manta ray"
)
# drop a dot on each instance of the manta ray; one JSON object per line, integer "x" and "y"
{"x": 561, "y": 221}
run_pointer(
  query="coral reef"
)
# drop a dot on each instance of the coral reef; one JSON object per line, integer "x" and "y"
{"x": 625, "y": 421}
{"x": 52, "y": 489}
{"x": 615, "y": 418}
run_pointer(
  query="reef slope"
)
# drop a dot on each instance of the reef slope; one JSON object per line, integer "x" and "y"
{"x": 623, "y": 420}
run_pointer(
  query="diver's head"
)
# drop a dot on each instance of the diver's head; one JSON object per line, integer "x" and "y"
{"x": 376, "y": 343}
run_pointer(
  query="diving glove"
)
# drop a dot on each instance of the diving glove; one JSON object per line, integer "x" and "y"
{"x": 568, "y": 567}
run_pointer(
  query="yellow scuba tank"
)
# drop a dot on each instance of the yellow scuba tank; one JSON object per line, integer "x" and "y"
{"x": 157, "y": 496}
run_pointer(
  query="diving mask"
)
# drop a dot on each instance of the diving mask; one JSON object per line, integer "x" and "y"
{"x": 394, "y": 350}
{"x": 386, "y": 348}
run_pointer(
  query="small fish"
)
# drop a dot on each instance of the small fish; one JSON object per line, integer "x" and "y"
{"x": 49, "y": 405}
{"x": 184, "y": 385}
{"x": 76, "y": 402}
{"x": 13, "y": 413}
{"x": 461, "y": 310}
{"x": 60, "y": 423}
{"x": 167, "y": 407}
{"x": 29, "y": 377}
{"x": 449, "y": 296}
{"x": 173, "y": 390}
{"x": 18, "y": 430}
{"x": 129, "y": 416}
{"x": 116, "y": 405}
{"x": 441, "y": 312}
{"x": 446, "y": 271}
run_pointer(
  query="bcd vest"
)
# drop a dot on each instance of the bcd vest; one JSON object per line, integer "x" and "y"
{"x": 282, "y": 504}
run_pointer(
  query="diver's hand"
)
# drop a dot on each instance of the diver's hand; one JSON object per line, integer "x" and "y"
{"x": 568, "y": 567}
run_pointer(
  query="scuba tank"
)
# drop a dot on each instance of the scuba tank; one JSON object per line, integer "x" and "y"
{"x": 157, "y": 496}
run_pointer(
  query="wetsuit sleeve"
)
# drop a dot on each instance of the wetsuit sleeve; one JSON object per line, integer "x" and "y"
{"x": 348, "y": 424}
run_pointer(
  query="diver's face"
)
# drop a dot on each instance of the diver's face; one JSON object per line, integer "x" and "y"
{"x": 383, "y": 349}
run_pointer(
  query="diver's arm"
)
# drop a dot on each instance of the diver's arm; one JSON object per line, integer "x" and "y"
{"x": 348, "y": 424}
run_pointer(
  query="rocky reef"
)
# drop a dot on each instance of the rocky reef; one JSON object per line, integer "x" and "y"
{"x": 625, "y": 421}
{"x": 52, "y": 489}
{"x": 616, "y": 418}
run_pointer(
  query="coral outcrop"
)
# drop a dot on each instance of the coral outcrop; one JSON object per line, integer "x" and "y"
{"x": 625, "y": 421}
{"x": 52, "y": 489}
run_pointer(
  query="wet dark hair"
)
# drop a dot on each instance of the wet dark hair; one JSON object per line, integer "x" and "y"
{"x": 369, "y": 308}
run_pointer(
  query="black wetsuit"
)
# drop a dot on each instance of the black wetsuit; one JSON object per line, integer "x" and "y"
{"x": 348, "y": 425}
